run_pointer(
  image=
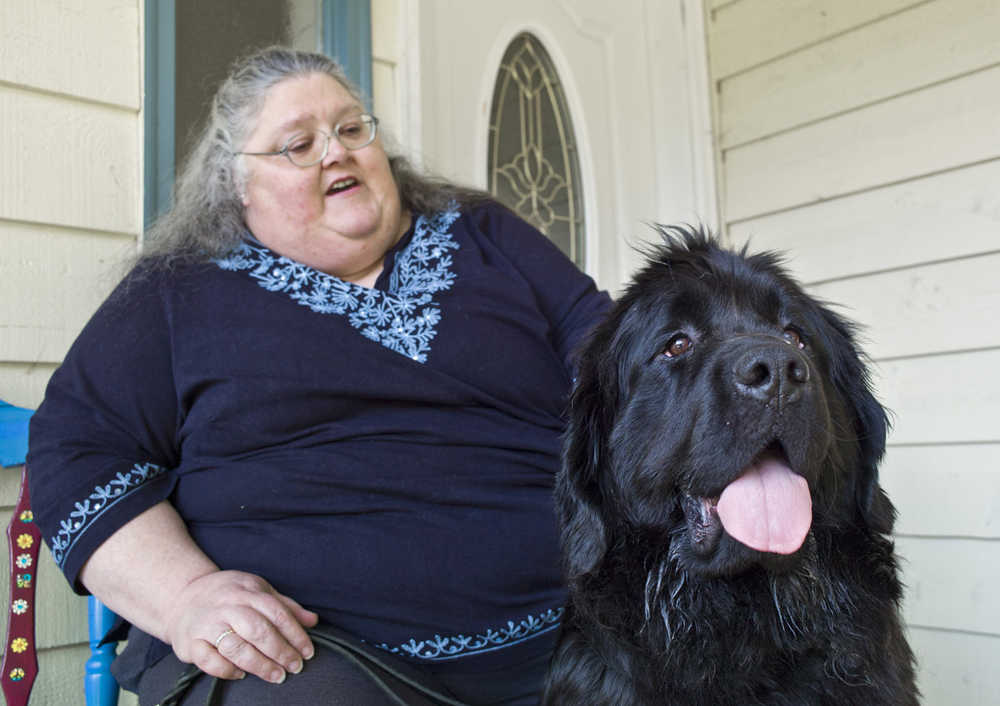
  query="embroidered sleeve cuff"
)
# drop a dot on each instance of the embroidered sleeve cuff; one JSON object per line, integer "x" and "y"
{"x": 106, "y": 508}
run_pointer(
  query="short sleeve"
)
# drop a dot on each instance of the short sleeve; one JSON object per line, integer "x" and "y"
{"x": 103, "y": 442}
{"x": 567, "y": 297}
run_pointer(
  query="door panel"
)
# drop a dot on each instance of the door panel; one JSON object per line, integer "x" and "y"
{"x": 626, "y": 69}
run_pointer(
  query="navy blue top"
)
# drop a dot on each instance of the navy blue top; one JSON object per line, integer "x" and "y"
{"x": 384, "y": 456}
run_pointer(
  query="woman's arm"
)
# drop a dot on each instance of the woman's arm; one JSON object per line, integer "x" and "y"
{"x": 566, "y": 296}
{"x": 152, "y": 573}
{"x": 102, "y": 448}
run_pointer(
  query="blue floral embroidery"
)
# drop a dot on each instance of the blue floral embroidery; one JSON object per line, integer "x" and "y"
{"x": 404, "y": 319}
{"x": 103, "y": 497}
{"x": 444, "y": 648}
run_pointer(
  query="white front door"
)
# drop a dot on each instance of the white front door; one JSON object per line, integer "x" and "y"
{"x": 632, "y": 75}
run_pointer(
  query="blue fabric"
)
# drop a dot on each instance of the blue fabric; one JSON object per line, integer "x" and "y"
{"x": 13, "y": 434}
{"x": 394, "y": 476}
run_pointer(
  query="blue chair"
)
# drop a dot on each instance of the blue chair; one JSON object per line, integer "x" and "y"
{"x": 99, "y": 686}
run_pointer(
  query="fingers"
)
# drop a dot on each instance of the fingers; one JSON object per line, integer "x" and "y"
{"x": 291, "y": 619}
{"x": 250, "y": 629}
{"x": 271, "y": 629}
{"x": 274, "y": 628}
{"x": 210, "y": 661}
{"x": 303, "y": 616}
{"x": 245, "y": 655}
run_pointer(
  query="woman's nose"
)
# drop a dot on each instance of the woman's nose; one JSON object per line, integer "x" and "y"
{"x": 335, "y": 152}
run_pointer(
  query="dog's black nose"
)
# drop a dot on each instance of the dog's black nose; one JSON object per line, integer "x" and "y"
{"x": 773, "y": 371}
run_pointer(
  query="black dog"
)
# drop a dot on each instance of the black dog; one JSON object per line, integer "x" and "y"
{"x": 724, "y": 530}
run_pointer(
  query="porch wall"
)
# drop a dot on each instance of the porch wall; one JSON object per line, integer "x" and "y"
{"x": 70, "y": 208}
{"x": 862, "y": 136}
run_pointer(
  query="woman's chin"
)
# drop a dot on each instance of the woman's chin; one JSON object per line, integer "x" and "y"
{"x": 365, "y": 228}
{"x": 356, "y": 223}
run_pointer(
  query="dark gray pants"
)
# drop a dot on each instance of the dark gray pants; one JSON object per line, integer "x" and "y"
{"x": 330, "y": 679}
{"x": 327, "y": 678}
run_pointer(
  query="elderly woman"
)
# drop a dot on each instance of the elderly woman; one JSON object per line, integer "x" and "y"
{"x": 330, "y": 390}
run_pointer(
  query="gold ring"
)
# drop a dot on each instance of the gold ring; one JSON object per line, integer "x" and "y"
{"x": 221, "y": 637}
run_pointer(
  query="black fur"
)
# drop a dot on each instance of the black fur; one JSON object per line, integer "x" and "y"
{"x": 654, "y": 616}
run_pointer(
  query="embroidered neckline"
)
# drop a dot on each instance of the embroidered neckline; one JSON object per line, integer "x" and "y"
{"x": 439, "y": 649}
{"x": 87, "y": 511}
{"x": 403, "y": 319}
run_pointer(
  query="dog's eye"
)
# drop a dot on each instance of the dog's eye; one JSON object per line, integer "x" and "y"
{"x": 679, "y": 345}
{"x": 793, "y": 338}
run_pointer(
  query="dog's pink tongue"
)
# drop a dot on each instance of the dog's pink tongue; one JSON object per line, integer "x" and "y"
{"x": 768, "y": 508}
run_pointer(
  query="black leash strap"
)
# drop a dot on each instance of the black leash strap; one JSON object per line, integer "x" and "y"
{"x": 184, "y": 682}
{"x": 369, "y": 662}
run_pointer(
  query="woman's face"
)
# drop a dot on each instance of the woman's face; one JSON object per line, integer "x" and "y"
{"x": 296, "y": 211}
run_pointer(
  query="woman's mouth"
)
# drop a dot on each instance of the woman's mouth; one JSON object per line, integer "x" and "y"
{"x": 341, "y": 185}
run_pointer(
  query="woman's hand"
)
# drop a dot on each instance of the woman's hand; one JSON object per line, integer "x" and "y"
{"x": 227, "y": 622}
{"x": 231, "y": 623}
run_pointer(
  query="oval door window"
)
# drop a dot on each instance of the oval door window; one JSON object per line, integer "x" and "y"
{"x": 533, "y": 163}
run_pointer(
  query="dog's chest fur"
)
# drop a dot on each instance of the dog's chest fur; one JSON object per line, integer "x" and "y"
{"x": 799, "y": 638}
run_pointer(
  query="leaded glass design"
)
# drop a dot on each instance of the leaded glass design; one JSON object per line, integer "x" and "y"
{"x": 533, "y": 163}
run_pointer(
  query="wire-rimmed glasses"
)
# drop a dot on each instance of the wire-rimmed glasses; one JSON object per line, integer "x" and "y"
{"x": 304, "y": 149}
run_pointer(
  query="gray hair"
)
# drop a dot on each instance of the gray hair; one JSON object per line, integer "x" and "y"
{"x": 205, "y": 220}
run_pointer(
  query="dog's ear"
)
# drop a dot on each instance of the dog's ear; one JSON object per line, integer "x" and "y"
{"x": 871, "y": 425}
{"x": 579, "y": 494}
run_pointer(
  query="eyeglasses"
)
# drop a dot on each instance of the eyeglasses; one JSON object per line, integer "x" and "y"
{"x": 305, "y": 149}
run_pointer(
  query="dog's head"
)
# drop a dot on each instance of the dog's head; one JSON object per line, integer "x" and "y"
{"x": 721, "y": 412}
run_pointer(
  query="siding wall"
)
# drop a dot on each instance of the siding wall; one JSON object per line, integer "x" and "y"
{"x": 395, "y": 45}
{"x": 385, "y": 60}
{"x": 862, "y": 136}
{"x": 70, "y": 209}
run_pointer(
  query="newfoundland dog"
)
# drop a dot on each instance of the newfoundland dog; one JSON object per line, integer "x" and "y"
{"x": 725, "y": 535}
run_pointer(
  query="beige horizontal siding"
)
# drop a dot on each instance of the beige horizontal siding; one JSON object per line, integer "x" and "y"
{"x": 948, "y": 490}
{"x": 387, "y": 56}
{"x": 10, "y": 482}
{"x": 60, "y": 678}
{"x": 903, "y": 138}
{"x": 69, "y": 163}
{"x": 82, "y": 48}
{"x": 956, "y": 669}
{"x": 384, "y": 89}
{"x": 23, "y": 385}
{"x": 816, "y": 82}
{"x": 947, "y": 215}
{"x": 943, "y": 399}
{"x": 929, "y": 309}
{"x": 951, "y": 583}
{"x": 748, "y": 32}
{"x": 385, "y": 40}
{"x": 55, "y": 278}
